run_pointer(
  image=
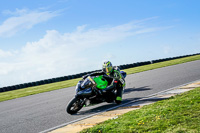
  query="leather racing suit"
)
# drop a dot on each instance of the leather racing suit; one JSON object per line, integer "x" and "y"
{"x": 115, "y": 80}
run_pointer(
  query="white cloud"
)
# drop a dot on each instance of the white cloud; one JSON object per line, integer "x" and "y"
{"x": 59, "y": 54}
{"x": 16, "y": 12}
{"x": 23, "y": 20}
{"x": 5, "y": 54}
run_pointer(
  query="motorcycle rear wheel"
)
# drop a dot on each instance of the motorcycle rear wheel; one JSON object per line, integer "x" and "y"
{"x": 74, "y": 106}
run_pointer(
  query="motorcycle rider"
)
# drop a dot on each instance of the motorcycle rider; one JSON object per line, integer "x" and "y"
{"x": 112, "y": 74}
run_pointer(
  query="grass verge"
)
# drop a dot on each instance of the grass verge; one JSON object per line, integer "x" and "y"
{"x": 179, "y": 114}
{"x": 68, "y": 83}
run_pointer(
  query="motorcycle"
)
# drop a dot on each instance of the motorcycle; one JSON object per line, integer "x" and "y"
{"x": 88, "y": 93}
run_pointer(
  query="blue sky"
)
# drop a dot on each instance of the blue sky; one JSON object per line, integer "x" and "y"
{"x": 47, "y": 39}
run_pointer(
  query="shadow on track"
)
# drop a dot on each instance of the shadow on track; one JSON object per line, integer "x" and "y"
{"x": 129, "y": 90}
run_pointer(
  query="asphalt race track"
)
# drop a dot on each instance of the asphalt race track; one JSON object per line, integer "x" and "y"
{"x": 40, "y": 112}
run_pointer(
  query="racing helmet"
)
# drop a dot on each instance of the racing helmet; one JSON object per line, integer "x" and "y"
{"x": 107, "y": 67}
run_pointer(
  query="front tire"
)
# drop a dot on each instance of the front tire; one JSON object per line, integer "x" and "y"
{"x": 74, "y": 106}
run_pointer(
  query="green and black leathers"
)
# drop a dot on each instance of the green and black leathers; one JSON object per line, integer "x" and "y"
{"x": 115, "y": 80}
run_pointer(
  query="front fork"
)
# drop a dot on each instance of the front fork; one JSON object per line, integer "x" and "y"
{"x": 82, "y": 100}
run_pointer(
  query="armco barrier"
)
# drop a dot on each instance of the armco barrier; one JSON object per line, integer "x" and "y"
{"x": 33, "y": 83}
{"x": 7, "y": 88}
{"x": 62, "y": 79}
{"x": 22, "y": 86}
{"x": 50, "y": 81}
{"x": 2, "y": 89}
{"x": 69, "y": 77}
{"x": 12, "y": 87}
{"x": 66, "y": 78}
{"x": 58, "y": 79}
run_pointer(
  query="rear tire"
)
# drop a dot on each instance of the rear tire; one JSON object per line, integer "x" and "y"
{"x": 118, "y": 102}
{"x": 74, "y": 106}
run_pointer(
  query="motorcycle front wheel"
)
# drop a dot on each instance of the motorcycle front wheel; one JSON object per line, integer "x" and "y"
{"x": 74, "y": 105}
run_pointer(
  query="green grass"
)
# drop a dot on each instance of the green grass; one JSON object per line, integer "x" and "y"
{"x": 179, "y": 114}
{"x": 64, "y": 84}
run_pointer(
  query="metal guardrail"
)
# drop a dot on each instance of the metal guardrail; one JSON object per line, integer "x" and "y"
{"x": 58, "y": 79}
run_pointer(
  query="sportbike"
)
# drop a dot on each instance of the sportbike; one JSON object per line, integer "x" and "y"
{"x": 88, "y": 92}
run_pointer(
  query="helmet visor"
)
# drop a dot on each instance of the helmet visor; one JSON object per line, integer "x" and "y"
{"x": 107, "y": 69}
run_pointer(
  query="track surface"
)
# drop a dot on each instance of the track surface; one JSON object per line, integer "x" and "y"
{"x": 39, "y": 112}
